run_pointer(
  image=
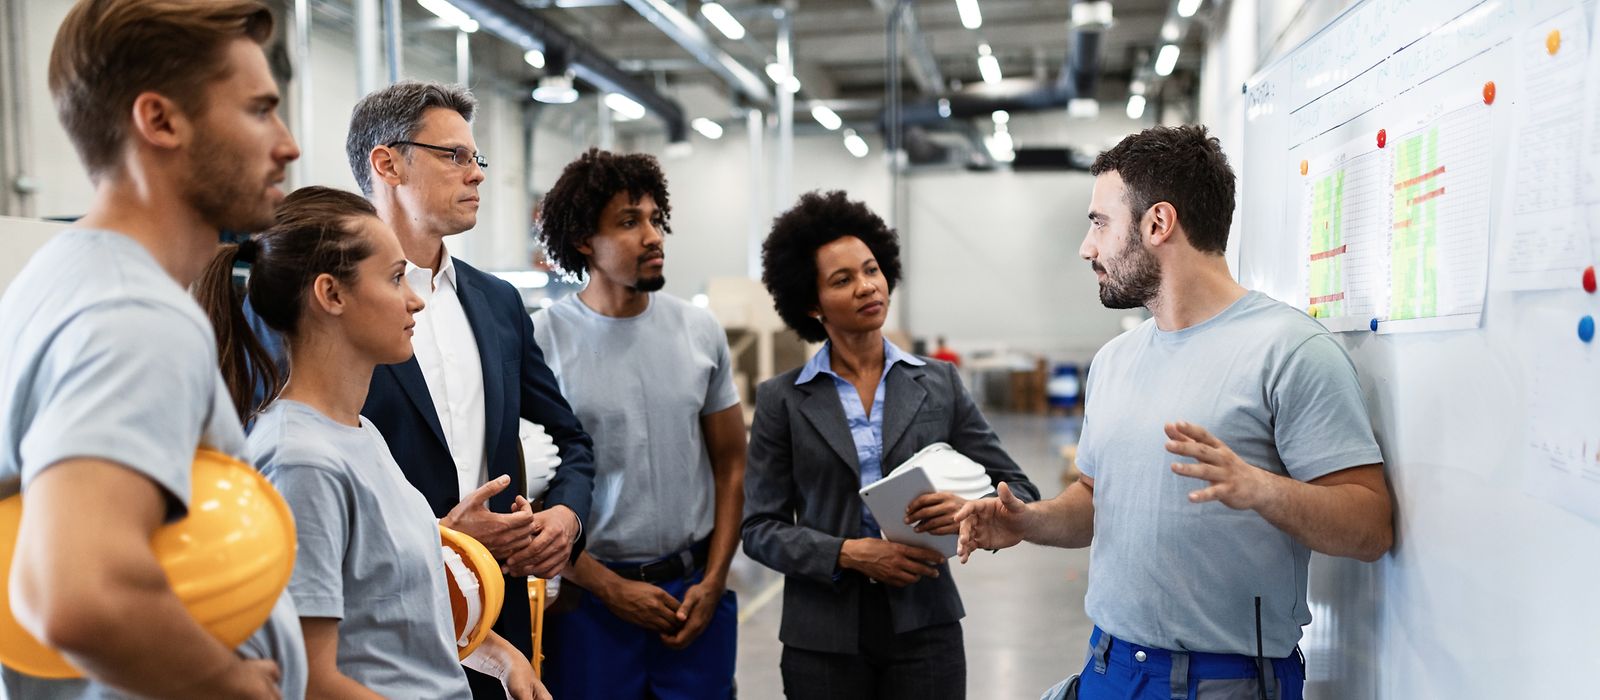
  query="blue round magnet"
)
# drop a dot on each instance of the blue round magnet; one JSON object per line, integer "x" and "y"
{"x": 1586, "y": 329}
{"x": 1373, "y": 325}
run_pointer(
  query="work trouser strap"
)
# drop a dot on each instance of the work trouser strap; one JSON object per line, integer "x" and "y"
{"x": 1180, "y": 676}
{"x": 1102, "y": 652}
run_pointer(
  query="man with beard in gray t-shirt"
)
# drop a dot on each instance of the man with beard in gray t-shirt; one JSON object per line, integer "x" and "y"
{"x": 1224, "y": 440}
{"x": 108, "y": 369}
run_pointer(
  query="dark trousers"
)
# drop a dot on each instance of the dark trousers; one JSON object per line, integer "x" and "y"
{"x": 925, "y": 664}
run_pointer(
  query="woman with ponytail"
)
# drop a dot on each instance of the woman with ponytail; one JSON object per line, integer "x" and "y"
{"x": 369, "y": 579}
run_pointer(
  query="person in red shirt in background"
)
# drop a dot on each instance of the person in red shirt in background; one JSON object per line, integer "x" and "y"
{"x": 943, "y": 352}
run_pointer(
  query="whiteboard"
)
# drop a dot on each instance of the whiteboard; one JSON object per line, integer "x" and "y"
{"x": 1493, "y": 587}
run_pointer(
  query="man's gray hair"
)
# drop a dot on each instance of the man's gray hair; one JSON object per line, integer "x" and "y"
{"x": 395, "y": 114}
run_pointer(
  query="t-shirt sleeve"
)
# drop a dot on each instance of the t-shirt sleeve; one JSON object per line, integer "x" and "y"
{"x": 132, "y": 383}
{"x": 1320, "y": 420}
{"x": 721, "y": 394}
{"x": 1087, "y": 457}
{"x": 318, "y": 498}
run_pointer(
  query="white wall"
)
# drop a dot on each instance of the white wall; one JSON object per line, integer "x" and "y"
{"x": 501, "y": 237}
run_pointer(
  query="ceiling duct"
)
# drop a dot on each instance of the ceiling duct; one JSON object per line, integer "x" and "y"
{"x": 1080, "y": 76}
{"x": 682, "y": 30}
{"x": 519, "y": 25}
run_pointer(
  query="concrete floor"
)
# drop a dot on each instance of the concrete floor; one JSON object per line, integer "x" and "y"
{"x": 1025, "y": 628}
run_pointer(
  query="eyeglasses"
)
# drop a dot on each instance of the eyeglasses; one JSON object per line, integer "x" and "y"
{"x": 459, "y": 155}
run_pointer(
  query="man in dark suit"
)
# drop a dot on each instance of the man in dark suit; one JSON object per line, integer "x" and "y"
{"x": 450, "y": 414}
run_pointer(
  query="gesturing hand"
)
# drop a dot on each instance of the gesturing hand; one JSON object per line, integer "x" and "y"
{"x": 991, "y": 523}
{"x": 888, "y": 562}
{"x": 935, "y": 512}
{"x": 502, "y": 533}
{"x": 1234, "y": 482}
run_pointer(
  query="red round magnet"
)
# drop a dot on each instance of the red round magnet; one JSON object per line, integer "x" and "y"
{"x": 1383, "y": 138}
{"x": 1588, "y": 280}
{"x": 1488, "y": 93}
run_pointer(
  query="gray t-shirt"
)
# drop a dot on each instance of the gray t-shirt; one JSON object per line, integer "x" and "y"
{"x": 103, "y": 355}
{"x": 369, "y": 551}
{"x": 640, "y": 385}
{"x": 1271, "y": 383}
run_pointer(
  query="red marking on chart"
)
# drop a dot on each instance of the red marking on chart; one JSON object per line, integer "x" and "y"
{"x": 1327, "y": 298}
{"x": 1425, "y": 176}
{"x": 1329, "y": 253}
{"x": 1403, "y": 223}
{"x": 1426, "y": 196}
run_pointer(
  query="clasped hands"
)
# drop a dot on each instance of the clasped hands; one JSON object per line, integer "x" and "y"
{"x": 524, "y": 542}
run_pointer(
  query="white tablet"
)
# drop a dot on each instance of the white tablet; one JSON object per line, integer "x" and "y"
{"x": 887, "y": 498}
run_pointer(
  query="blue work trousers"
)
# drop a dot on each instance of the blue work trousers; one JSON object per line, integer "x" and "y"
{"x": 1118, "y": 670}
{"x": 591, "y": 654}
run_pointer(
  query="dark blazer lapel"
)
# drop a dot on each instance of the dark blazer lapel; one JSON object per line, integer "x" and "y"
{"x": 483, "y": 329}
{"x": 821, "y": 407}
{"x": 409, "y": 376}
{"x": 902, "y": 401}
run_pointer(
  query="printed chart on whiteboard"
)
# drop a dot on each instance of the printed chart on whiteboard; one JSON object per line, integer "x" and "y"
{"x": 1395, "y": 230}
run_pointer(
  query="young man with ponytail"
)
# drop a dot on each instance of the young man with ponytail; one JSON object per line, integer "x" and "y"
{"x": 108, "y": 379}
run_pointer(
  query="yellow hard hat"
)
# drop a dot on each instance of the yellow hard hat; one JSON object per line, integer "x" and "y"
{"x": 476, "y": 588}
{"x": 228, "y": 560}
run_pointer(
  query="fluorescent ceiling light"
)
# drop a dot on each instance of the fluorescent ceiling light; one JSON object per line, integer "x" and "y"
{"x": 1136, "y": 87}
{"x": 1187, "y": 8}
{"x": 524, "y": 279}
{"x": 1000, "y": 146}
{"x": 1083, "y": 108}
{"x": 1135, "y": 106}
{"x": 1001, "y": 116}
{"x": 944, "y": 108}
{"x": 826, "y": 117}
{"x": 971, "y": 18}
{"x": 556, "y": 90}
{"x": 1169, "y": 31}
{"x": 1167, "y": 59}
{"x": 1091, "y": 15}
{"x": 451, "y": 14}
{"x": 855, "y": 144}
{"x": 782, "y": 78}
{"x": 534, "y": 57}
{"x": 988, "y": 65}
{"x": 625, "y": 108}
{"x": 724, "y": 22}
{"x": 707, "y": 128}
{"x": 701, "y": 300}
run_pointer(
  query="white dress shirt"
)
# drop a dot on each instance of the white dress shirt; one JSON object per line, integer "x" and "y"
{"x": 447, "y": 351}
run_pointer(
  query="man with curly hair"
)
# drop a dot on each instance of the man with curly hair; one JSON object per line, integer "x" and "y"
{"x": 652, "y": 376}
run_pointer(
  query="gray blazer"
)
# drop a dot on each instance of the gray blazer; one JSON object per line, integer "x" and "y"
{"x": 801, "y": 501}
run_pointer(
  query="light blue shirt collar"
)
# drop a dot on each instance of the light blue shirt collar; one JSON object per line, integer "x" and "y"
{"x": 822, "y": 362}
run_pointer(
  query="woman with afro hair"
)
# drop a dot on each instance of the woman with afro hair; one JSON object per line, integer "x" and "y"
{"x": 862, "y": 617}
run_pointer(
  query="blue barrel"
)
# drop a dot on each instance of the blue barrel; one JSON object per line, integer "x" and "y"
{"x": 1064, "y": 388}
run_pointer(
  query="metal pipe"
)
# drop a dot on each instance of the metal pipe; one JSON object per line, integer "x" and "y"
{"x": 517, "y": 24}
{"x": 21, "y": 184}
{"x": 607, "y": 131}
{"x": 756, "y": 126}
{"x": 300, "y": 52}
{"x": 392, "y": 26}
{"x": 366, "y": 46}
{"x": 683, "y": 30}
{"x": 894, "y": 137}
{"x": 785, "y": 163}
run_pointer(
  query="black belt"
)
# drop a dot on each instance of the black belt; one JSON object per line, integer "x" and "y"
{"x": 668, "y": 568}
